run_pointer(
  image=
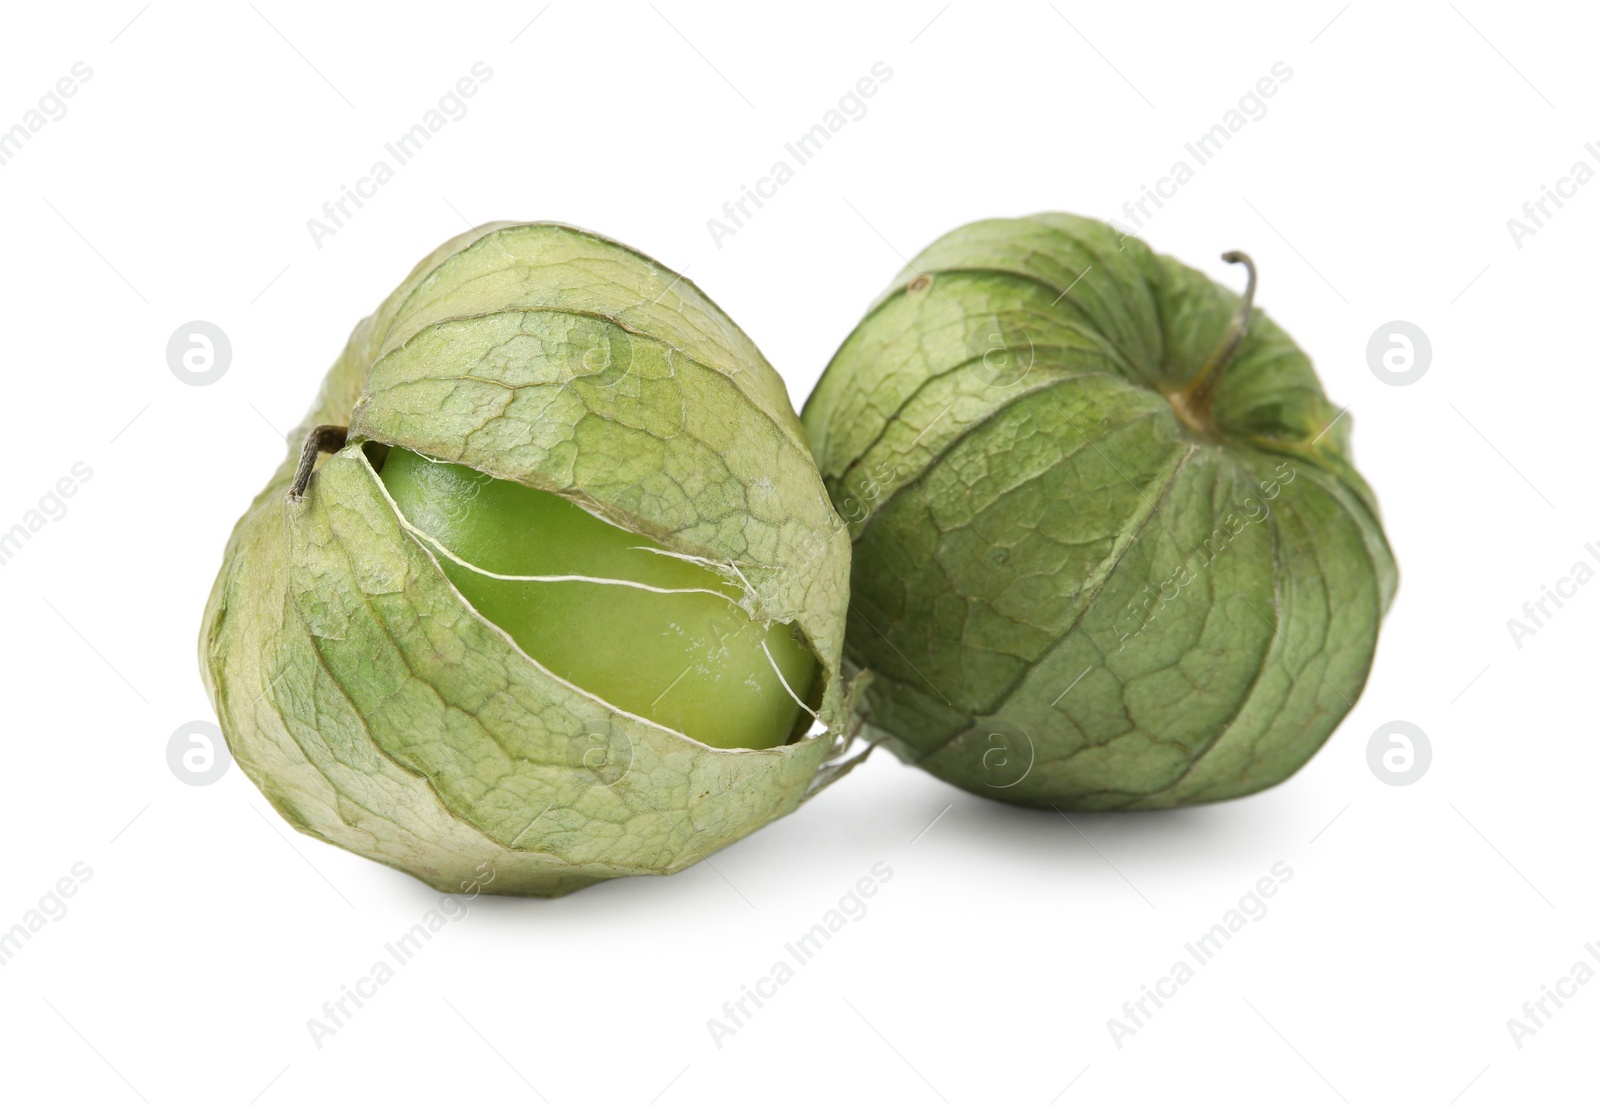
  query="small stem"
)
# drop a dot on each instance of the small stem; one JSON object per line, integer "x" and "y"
{"x": 323, "y": 439}
{"x": 1197, "y": 394}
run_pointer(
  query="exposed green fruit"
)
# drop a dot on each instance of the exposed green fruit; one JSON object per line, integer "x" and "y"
{"x": 377, "y": 708}
{"x": 681, "y": 655}
{"x": 1110, "y": 549}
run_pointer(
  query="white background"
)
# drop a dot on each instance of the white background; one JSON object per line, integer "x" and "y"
{"x": 1419, "y": 919}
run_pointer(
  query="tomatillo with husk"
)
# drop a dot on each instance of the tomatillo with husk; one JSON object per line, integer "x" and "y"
{"x": 1110, "y": 547}
{"x": 548, "y": 589}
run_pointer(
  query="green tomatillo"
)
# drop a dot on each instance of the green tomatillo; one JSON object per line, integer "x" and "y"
{"x": 1110, "y": 548}
{"x": 628, "y": 620}
{"x": 548, "y": 590}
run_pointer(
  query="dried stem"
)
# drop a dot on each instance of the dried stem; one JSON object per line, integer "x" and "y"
{"x": 323, "y": 439}
{"x": 1194, "y": 400}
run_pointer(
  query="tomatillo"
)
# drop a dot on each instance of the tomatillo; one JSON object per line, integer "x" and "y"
{"x": 1110, "y": 547}
{"x": 548, "y": 589}
{"x": 603, "y": 608}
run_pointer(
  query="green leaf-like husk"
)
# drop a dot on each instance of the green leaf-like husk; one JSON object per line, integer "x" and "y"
{"x": 377, "y": 711}
{"x": 1067, "y": 597}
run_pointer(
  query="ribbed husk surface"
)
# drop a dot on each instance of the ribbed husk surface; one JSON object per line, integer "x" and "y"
{"x": 1067, "y": 595}
{"x": 377, "y": 711}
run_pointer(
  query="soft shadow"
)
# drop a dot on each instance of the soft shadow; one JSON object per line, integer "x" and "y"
{"x": 1201, "y": 833}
